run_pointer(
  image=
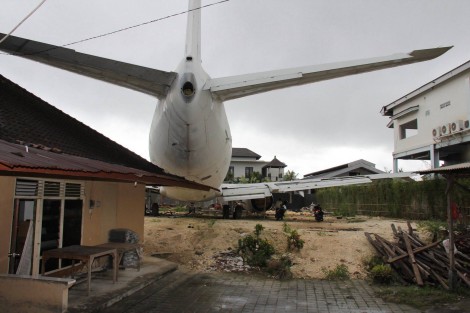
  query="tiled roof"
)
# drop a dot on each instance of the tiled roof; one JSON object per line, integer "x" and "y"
{"x": 275, "y": 163}
{"x": 244, "y": 153}
{"x": 27, "y": 119}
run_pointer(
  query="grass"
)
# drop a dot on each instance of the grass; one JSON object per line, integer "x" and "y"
{"x": 340, "y": 272}
{"x": 421, "y": 298}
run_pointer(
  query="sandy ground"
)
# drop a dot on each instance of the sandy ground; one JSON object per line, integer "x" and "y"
{"x": 193, "y": 242}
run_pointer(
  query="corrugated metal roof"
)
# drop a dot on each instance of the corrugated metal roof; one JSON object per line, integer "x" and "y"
{"x": 463, "y": 168}
{"x": 18, "y": 158}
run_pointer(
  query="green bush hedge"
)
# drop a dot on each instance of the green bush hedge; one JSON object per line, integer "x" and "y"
{"x": 393, "y": 198}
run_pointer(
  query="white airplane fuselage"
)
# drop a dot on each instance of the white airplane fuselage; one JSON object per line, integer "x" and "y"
{"x": 190, "y": 134}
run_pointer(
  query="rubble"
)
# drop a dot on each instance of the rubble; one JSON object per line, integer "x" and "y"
{"x": 229, "y": 261}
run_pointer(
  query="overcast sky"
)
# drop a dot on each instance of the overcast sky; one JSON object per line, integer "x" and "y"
{"x": 309, "y": 128}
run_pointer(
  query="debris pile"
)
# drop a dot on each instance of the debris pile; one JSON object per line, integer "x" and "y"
{"x": 420, "y": 263}
{"x": 229, "y": 261}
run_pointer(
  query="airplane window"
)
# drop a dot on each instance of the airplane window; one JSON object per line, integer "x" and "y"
{"x": 188, "y": 89}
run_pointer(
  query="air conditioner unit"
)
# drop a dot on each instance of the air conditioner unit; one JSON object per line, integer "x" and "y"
{"x": 466, "y": 124}
{"x": 445, "y": 129}
{"x": 436, "y": 132}
{"x": 456, "y": 126}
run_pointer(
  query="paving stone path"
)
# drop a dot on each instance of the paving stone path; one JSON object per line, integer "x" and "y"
{"x": 228, "y": 292}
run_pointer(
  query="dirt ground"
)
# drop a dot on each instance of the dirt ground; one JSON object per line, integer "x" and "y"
{"x": 194, "y": 243}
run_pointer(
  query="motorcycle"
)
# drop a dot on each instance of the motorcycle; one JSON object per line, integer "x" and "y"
{"x": 318, "y": 213}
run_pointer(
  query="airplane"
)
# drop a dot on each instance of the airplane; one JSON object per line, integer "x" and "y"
{"x": 190, "y": 134}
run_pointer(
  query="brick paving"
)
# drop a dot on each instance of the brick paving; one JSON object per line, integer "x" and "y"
{"x": 228, "y": 292}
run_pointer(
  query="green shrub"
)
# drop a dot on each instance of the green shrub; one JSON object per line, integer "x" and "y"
{"x": 374, "y": 260}
{"x": 340, "y": 272}
{"x": 432, "y": 228}
{"x": 382, "y": 273}
{"x": 293, "y": 238}
{"x": 294, "y": 241}
{"x": 254, "y": 250}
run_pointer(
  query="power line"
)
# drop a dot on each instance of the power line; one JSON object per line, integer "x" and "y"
{"x": 145, "y": 23}
{"x": 19, "y": 24}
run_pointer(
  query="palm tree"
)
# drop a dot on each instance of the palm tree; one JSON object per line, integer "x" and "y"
{"x": 290, "y": 175}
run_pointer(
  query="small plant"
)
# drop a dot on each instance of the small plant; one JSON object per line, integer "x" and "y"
{"x": 280, "y": 268}
{"x": 254, "y": 250}
{"x": 293, "y": 238}
{"x": 258, "y": 229}
{"x": 211, "y": 222}
{"x": 286, "y": 228}
{"x": 294, "y": 241}
{"x": 382, "y": 273}
{"x": 432, "y": 228}
{"x": 340, "y": 272}
{"x": 372, "y": 261}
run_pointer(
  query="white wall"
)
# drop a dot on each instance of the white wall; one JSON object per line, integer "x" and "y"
{"x": 431, "y": 115}
{"x": 239, "y": 167}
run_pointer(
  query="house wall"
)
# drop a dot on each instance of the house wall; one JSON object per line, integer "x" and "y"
{"x": 130, "y": 209}
{"x": 433, "y": 113}
{"x": 239, "y": 167}
{"x": 7, "y": 186}
{"x": 275, "y": 173}
{"x": 117, "y": 205}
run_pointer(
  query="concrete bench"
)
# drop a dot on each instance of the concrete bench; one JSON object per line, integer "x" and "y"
{"x": 25, "y": 293}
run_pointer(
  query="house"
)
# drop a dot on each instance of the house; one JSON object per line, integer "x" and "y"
{"x": 359, "y": 167}
{"x": 62, "y": 184}
{"x": 274, "y": 170}
{"x": 432, "y": 122}
{"x": 245, "y": 163}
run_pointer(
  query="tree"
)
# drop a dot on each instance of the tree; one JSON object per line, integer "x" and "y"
{"x": 255, "y": 177}
{"x": 290, "y": 175}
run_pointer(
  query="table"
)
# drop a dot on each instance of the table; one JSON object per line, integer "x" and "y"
{"x": 123, "y": 247}
{"x": 85, "y": 254}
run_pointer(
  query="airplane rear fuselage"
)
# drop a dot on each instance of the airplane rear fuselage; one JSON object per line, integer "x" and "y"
{"x": 190, "y": 135}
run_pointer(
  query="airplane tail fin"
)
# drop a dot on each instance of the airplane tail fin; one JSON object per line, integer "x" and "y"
{"x": 193, "y": 31}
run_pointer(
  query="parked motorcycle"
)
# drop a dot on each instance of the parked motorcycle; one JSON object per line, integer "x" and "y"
{"x": 318, "y": 213}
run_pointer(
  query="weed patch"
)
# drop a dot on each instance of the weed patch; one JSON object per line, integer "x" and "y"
{"x": 340, "y": 272}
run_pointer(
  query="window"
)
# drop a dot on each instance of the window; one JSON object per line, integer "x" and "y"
{"x": 409, "y": 129}
{"x": 248, "y": 172}
{"x": 56, "y": 207}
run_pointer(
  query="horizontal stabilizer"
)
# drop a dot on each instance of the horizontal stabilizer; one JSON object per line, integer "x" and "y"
{"x": 135, "y": 77}
{"x": 228, "y": 88}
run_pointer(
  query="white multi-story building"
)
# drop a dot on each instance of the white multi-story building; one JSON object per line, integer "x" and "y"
{"x": 246, "y": 162}
{"x": 432, "y": 122}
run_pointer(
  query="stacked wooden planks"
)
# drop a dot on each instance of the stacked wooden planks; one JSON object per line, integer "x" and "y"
{"x": 420, "y": 263}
